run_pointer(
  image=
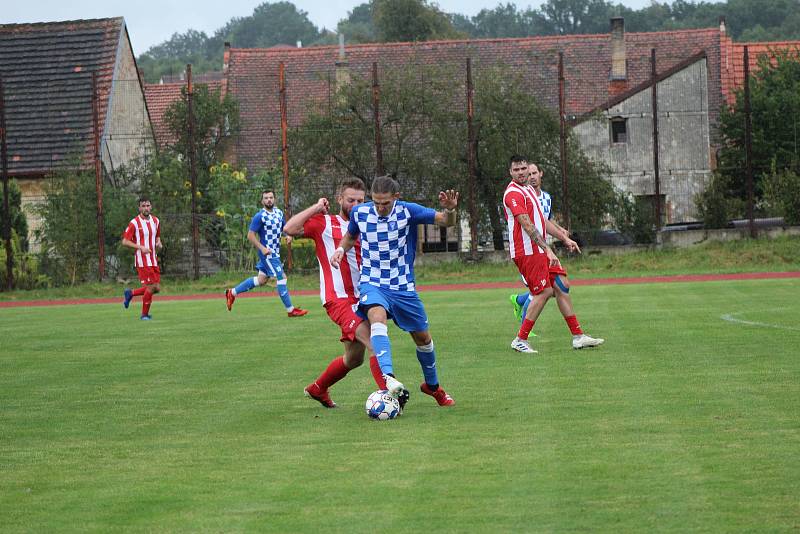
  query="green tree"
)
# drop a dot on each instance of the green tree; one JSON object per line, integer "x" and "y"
{"x": 19, "y": 224}
{"x": 775, "y": 108}
{"x": 358, "y": 27}
{"x": 577, "y": 16}
{"x": 410, "y": 20}
{"x": 506, "y": 20}
{"x": 423, "y": 130}
{"x": 273, "y": 24}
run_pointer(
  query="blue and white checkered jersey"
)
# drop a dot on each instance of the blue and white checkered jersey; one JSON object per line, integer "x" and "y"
{"x": 388, "y": 244}
{"x": 546, "y": 202}
{"x": 268, "y": 225}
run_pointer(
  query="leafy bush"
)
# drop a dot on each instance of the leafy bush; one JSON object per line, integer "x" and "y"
{"x": 26, "y": 267}
{"x": 717, "y": 205}
{"x": 782, "y": 193}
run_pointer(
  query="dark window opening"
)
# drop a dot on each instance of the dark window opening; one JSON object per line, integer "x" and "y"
{"x": 619, "y": 130}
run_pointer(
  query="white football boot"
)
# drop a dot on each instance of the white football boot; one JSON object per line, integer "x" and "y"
{"x": 583, "y": 341}
{"x": 394, "y": 386}
{"x": 520, "y": 345}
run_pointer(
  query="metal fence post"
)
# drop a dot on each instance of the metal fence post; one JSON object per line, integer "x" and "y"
{"x": 563, "y": 141}
{"x": 473, "y": 212}
{"x": 376, "y": 106}
{"x": 98, "y": 181}
{"x": 6, "y": 203}
{"x": 285, "y": 151}
{"x": 656, "y": 178}
{"x": 192, "y": 173}
{"x": 748, "y": 143}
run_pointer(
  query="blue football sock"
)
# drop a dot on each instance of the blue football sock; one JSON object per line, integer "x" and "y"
{"x": 525, "y": 306}
{"x": 283, "y": 292}
{"x": 427, "y": 360}
{"x": 383, "y": 350}
{"x": 246, "y": 285}
{"x": 522, "y": 298}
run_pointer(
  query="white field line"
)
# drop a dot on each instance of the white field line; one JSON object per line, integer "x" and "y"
{"x": 731, "y": 319}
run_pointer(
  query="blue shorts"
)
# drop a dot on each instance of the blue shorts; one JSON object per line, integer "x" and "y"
{"x": 403, "y": 307}
{"x": 271, "y": 267}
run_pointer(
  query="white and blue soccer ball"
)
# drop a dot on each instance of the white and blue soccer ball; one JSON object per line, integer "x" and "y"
{"x": 382, "y": 406}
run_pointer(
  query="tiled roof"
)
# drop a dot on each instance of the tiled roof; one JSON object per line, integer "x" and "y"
{"x": 204, "y": 77}
{"x": 733, "y": 67}
{"x": 46, "y": 70}
{"x": 159, "y": 96}
{"x": 252, "y": 74}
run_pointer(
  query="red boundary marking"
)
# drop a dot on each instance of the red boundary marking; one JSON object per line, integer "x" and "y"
{"x": 436, "y": 287}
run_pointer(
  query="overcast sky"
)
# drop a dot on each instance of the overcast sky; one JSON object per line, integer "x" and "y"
{"x": 151, "y": 22}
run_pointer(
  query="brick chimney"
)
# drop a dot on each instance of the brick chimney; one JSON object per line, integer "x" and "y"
{"x": 226, "y": 56}
{"x": 619, "y": 69}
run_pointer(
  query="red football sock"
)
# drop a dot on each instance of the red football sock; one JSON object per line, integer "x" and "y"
{"x": 139, "y": 291}
{"x": 377, "y": 375}
{"x": 574, "y": 326}
{"x": 336, "y": 371}
{"x": 525, "y": 328}
{"x": 146, "y": 300}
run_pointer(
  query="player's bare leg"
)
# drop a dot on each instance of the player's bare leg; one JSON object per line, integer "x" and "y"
{"x": 579, "y": 339}
{"x": 537, "y": 303}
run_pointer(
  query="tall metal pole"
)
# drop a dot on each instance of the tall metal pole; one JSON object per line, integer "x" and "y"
{"x": 192, "y": 172}
{"x": 6, "y": 203}
{"x": 563, "y": 140}
{"x": 473, "y": 211}
{"x": 748, "y": 143}
{"x": 376, "y": 106}
{"x": 285, "y": 150}
{"x": 656, "y": 178}
{"x": 98, "y": 182}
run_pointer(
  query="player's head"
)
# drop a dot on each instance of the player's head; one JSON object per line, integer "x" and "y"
{"x": 385, "y": 190}
{"x": 144, "y": 206}
{"x": 534, "y": 176}
{"x": 351, "y": 193}
{"x": 268, "y": 198}
{"x": 518, "y": 169}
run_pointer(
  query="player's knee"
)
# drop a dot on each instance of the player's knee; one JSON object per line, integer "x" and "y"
{"x": 379, "y": 329}
{"x": 423, "y": 339}
{"x": 354, "y": 358}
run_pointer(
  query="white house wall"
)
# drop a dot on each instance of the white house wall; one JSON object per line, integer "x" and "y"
{"x": 684, "y": 143}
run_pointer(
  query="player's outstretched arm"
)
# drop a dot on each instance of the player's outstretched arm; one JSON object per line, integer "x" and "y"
{"x": 560, "y": 233}
{"x": 448, "y": 200}
{"x": 294, "y": 226}
{"x": 345, "y": 244}
{"x": 529, "y": 228}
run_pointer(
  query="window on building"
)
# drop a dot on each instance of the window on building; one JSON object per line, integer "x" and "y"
{"x": 619, "y": 130}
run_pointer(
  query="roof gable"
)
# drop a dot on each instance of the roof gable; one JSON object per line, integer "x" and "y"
{"x": 47, "y": 75}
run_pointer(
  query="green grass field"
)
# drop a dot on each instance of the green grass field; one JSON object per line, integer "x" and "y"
{"x": 682, "y": 421}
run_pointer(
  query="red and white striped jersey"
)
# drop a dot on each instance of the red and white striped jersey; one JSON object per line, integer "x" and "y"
{"x": 327, "y": 231}
{"x": 519, "y": 199}
{"x": 144, "y": 232}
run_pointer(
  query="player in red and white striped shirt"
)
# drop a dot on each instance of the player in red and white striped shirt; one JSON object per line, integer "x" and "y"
{"x": 527, "y": 245}
{"x": 144, "y": 235}
{"x": 338, "y": 287}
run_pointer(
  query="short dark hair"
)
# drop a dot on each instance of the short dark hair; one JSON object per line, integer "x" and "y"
{"x": 144, "y": 198}
{"x": 351, "y": 183}
{"x": 516, "y": 158}
{"x": 265, "y": 191}
{"x": 385, "y": 184}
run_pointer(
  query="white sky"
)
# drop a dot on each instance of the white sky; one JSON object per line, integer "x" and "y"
{"x": 151, "y": 22}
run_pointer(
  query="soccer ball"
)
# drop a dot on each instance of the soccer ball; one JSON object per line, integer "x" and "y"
{"x": 382, "y": 406}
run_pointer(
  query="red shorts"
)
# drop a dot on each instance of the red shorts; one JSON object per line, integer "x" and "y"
{"x": 149, "y": 276}
{"x": 534, "y": 270}
{"x": 341, "y": 312}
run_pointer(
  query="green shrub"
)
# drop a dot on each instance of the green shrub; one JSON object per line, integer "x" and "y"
{"x": 26, "y": 268}
{"x": 782, "y": 193}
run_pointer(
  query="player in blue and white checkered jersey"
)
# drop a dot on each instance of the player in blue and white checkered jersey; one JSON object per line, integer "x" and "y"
{"x": 387, "y": 227}
{"x": 265, "y": 232}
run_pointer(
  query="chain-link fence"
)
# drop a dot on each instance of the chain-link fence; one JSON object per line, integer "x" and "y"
{"x": 625, "y": 155}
